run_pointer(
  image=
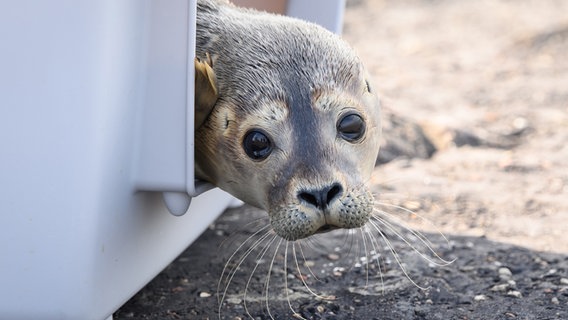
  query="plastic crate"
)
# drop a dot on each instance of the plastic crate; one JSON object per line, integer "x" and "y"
{"x": 96, "y": 145}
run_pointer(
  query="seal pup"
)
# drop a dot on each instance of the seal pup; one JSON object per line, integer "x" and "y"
{"x": 286, "y": 119}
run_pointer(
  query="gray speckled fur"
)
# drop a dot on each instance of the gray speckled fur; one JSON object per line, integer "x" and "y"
{"x": 293, "y": 80}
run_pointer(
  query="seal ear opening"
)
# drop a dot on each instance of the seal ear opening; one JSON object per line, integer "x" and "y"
{"x": 206, "y": 93}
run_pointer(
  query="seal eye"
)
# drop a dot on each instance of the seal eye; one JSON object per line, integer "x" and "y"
{"x": 257, "y": 145}
{"x": 351, "y": 127}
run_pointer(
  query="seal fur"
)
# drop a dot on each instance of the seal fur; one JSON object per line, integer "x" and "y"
{"x": 296, "y": 83}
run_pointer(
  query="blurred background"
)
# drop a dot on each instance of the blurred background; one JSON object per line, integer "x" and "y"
{"x": 475, "y": 97}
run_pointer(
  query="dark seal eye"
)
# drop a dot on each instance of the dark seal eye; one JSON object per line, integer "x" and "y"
{"x": 257, "y": 145}
{"x": 351, "y": 127}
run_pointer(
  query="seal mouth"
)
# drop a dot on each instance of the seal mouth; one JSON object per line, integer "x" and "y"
{"x": 326, "y": 228}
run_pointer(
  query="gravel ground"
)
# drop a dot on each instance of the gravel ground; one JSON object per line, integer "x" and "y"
{"x": 476, "y": 125}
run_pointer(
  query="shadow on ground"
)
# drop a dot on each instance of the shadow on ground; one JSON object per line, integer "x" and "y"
{"x": 487, "y": 280}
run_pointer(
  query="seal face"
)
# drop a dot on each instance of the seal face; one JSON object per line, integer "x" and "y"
{"x": 294, "y": 128}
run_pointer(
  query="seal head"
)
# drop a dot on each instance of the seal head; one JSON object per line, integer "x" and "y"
{"x": 294, "y": 125}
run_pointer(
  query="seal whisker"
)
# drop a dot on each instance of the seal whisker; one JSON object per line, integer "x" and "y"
{"x": 419, "y": 235}
{"x": 226, "y": 273}
{"x": 365, "y": 249}
{"x": 303, "y": 279}
{"x": 287, "y": 290}
{"x": 229, "y": 275}
{"x": 267, "y": 282}
{"x": 258, "y": 262}
{"x": 306, "y": 262}
{"x": 395, "y": 254}
{"x": 430, "y": 223}
{"x": 374, "y": 240}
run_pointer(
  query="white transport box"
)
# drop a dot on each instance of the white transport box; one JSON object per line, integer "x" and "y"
{"x": 96, "y": 150}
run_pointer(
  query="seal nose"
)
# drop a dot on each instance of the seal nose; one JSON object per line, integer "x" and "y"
{"x": 321, "y": 198}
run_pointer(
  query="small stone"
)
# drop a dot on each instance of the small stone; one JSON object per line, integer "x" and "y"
{"x": 204, "y": 294}
{"x": 554, "y": 300}
{"x": 412, "y": 205}
{"x": 505, "y": 273}
{"x": 320, "y": 309}
{"x": 468, "y": 268}
{"x": 333, "y": 256}
{"x": 520, "y": 123}
{"x": 480, "y": 297}
{"x": 500, "y": 287}
{"x": 564, "y": 281}
{"x": 309, "y": 263}
{"x": 234, "y": 300}
{"x": 429, "y": 301}
{"x": 514, "y": 293}
{"x": 302, "y": 277}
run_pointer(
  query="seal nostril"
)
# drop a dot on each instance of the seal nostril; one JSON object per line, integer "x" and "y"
{"x": 321, "y": 198}
{"x": 334, "y": 192}
{"x": 309, "y": 198}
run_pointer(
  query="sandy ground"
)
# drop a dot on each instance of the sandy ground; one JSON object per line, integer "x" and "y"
{"x": 495, "y": 69}
{"x": 476, "y": 128}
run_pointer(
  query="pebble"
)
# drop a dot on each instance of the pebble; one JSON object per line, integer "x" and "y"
{"x": 500, "y": 287}
{"x": 468, "y": 268}
{"x": 554, "y": 300}
{"x": 514, "y": 293}
{"x": 564, "y": 281}
{"x": 412, "y": 205}
{"x": 505, "y": 273}
{"x": 551, "y": 272}
{"x": 338, "y": 271}
{"x": 520, "y": 123}
{"x": 309, "y": 263}
{"x": 333, "y": 256}
{"x": 234, "y": 300}
{"x": 204, "y": 294}
{"x": 480, "y": 297}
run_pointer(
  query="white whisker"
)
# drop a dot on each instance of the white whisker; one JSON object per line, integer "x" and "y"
{"x": 422, "y": 218}
{"x": 306, "y": 263}
{"x": 267, "y": 282}
{"x": 395, "y": 255}
{"x": 423, "y": 239}
{"x": 231, "y": 274}
{"x": 375, "y": 244}
{"x": 258, "y": 262}
{"x": 302, "y": 278}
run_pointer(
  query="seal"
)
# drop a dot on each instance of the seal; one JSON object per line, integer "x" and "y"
{"x": 286, "y": 119}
